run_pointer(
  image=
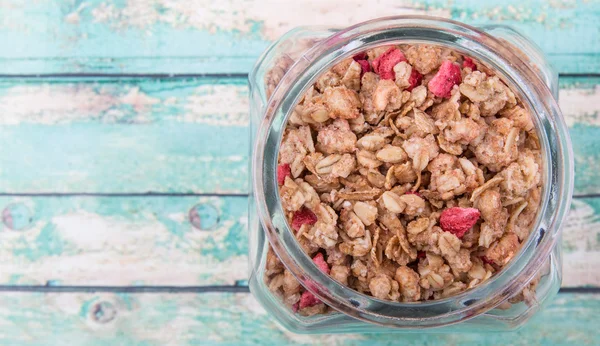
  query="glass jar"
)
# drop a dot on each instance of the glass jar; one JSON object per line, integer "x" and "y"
{"x": 505, "y": 301}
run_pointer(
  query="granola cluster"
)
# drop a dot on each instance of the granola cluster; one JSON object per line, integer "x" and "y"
{"x": 408, "y": 173}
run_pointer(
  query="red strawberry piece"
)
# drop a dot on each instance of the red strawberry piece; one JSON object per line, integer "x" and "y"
{"x": 320, "y": 262}
{"x": 468, "y": 62}
{"x": 283, "y": 171}
{"x": 308, "y": 299}
{"x": 421, "y": 254}
{"x": 360, "y": 56}
{"x": 414, "y": 79}
{"x": 447, "y": 76}
{"x": 459, "y": 220}
{"x": 413, "y": 193}
{"x": 295, "y": 307}
{"x": 486, "y": 260}
{"x": 384, "y": 64}
{"x": 364, "y": 65}
{"x": 303, "y": 216}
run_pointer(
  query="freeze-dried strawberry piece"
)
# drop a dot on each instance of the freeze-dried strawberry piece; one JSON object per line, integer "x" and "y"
{"x": 303, "y": 216}
{"x": 468, "y": 62}
{"x": 421, "y": 254}
{"x": 414, "y": 79}
{"x": 458, "y": 220}
{"x": 384, "y": 64}
{"x": 413, "y": 193}
{"x": 295, "y": 307}
{"x": 486, "y": 260}
{"x": 364, "y": 65}
{"x": 447, "y": 76}
{"x": 283, "y": 171}
{"x": 320, "y": 262}
{"x": 360, "y": 56}
{"x": 308, "y": 299}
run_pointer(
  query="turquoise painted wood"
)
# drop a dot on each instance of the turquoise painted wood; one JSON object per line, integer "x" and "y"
{"x": 183, "y": 135}
{"x": 186, "y": 135}
{"x": 139, "y": 241}
{"x": 124, "y": 135}
{"x": 179, "y": 241}
{"x": 237, "y": 319}
{"x": 203, "y": 36}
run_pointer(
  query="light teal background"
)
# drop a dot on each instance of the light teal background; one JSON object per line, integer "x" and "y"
{"x": 123, "y": 140}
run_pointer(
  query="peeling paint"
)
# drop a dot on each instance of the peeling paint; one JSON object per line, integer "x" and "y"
{"x": 219, "y": 105}
{"x": 581, "y": 105}
{"x": 196, "y": 319}
{"x": 58, "y": 104}
{"x": 215, "y": 104}
{"x": 122, "y": 241}
{"x": 581, "y": 248}
{"x": 275, "y": 17}
{"x": 50, "y": 104}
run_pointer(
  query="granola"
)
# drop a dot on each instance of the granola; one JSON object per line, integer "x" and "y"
{"x": 407, "y": 174}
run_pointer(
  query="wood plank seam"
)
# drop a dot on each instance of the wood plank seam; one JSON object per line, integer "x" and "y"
{"x": 127, "y": 289}
{"x": 193, "y": 75}
{"x": 127, "y": 75}
{"x": 169, "y": 194}
{"x": 185, "y": 289}
{"x": 124, "y": 194}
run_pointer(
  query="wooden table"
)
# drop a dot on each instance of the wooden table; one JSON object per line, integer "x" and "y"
{"x": 124, "y": 167}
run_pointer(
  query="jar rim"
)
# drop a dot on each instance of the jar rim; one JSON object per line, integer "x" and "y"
{"x": 553, "y": 137}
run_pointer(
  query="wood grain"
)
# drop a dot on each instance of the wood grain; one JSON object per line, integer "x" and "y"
{"x": 237, "y": 319}
{"x": 87, "y": 241}
{"x": 581, "y": 244}
{"x": 120, "y": 135}
{"x": 203, "y": 36}
{"x": 120, "y": 241}
{"x": 579, "y": 99}
{"x": 183, "y": 135}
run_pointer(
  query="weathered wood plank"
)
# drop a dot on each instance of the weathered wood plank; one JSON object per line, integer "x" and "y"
{"x": 175, "y": 135}
{"x": 579, "y": 100}
{"x": 237, "y": 319}
{"x": 172, "y": 36}
{"x": 581, "y": 244}
{"x": 112, "y": 241}
{"x": 116, "y": 135}
{"x": 178, "y": 241}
